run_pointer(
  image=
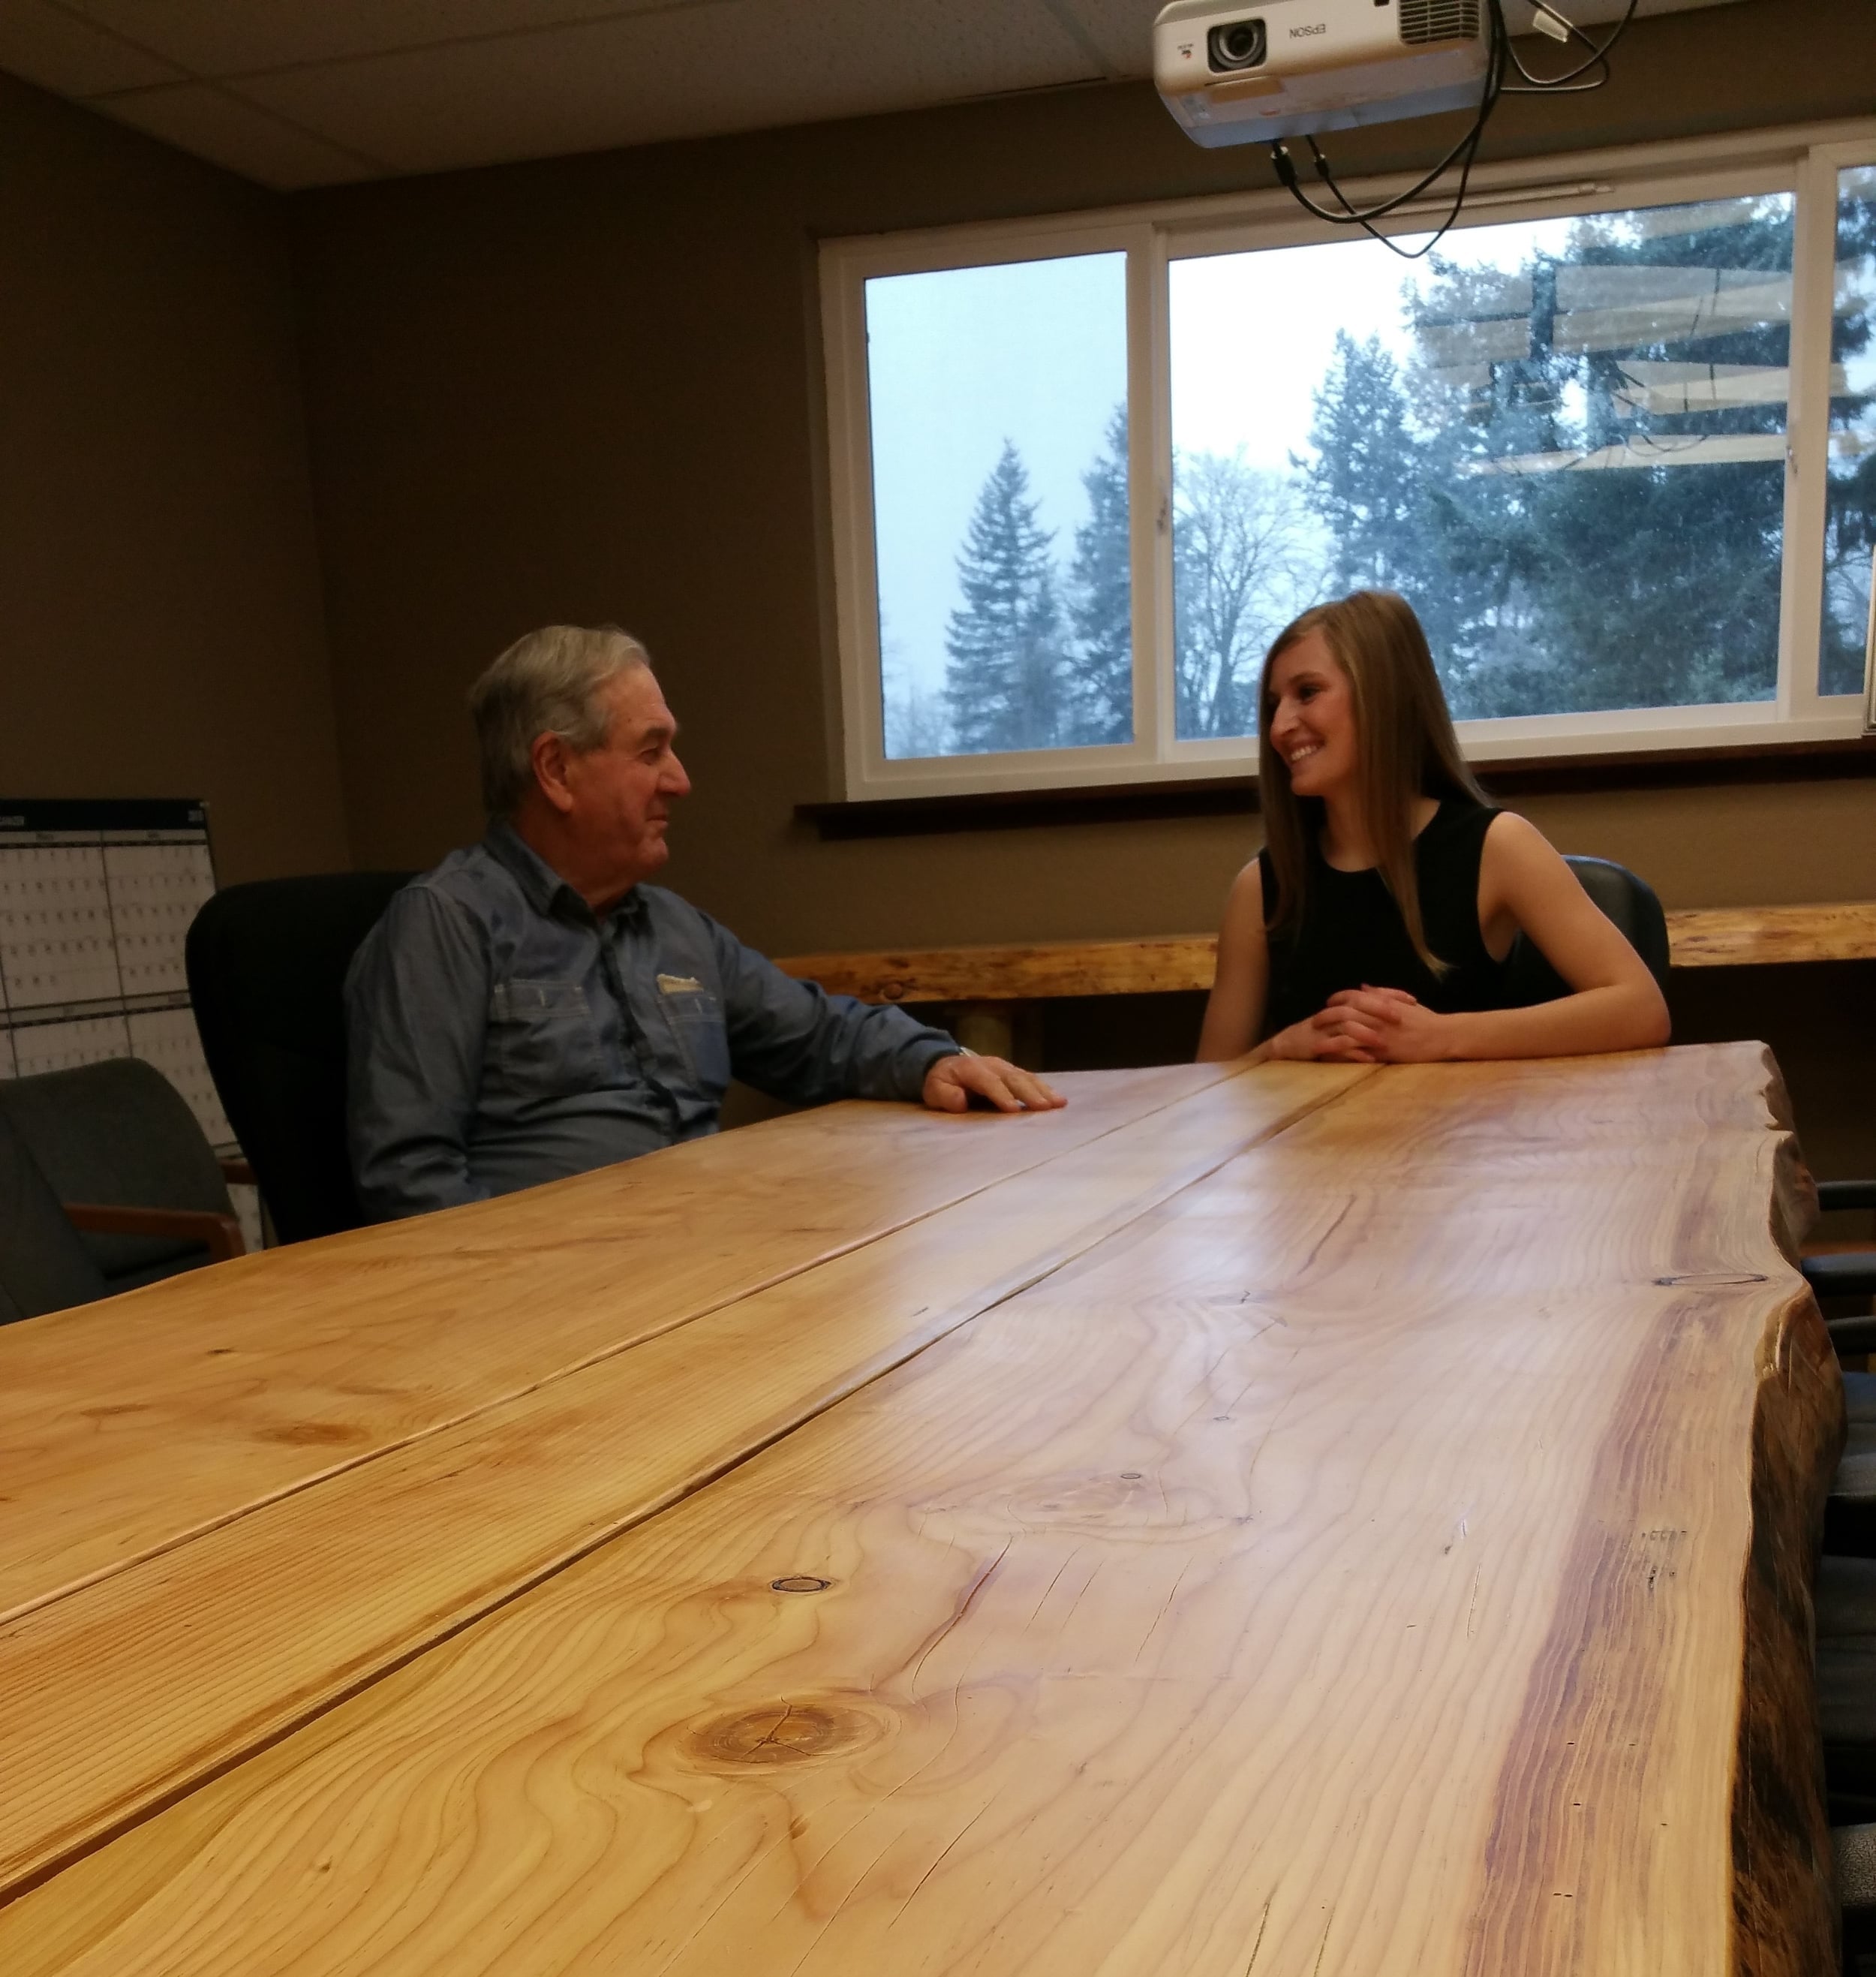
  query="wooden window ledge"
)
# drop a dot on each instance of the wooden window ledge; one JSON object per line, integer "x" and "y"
{"x": 1236, "y": 796}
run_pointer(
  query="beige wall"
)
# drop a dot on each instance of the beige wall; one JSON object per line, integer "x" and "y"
{"x": 160, "y": 608}
{"x": 586, "y": 389}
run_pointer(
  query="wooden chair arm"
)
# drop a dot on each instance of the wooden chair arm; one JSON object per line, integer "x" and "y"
{"x": 238, "y": 1174}
{"x": 220, "y": 1233}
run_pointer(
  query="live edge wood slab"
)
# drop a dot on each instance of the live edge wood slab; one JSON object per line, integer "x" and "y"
{"x": 1380, "y": 1543}
{"x": 1700, "y": 938}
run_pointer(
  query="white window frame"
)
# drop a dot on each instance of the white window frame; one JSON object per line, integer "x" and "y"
{"x": 1806, "y": 160}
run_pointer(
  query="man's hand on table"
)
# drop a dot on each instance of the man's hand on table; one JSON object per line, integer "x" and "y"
{"x": 953, "y": 1081}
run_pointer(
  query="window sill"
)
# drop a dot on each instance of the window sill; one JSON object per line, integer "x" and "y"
{"x": 1236, "y": 796}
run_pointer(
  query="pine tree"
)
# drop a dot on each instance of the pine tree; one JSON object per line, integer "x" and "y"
{"x": 1851, "y": 513}
{"x": 1654, "y": 584}
{"x": 1100, "y": 664}
{"x": 1003, "y": 680}
{"x": 1365, "y": 482}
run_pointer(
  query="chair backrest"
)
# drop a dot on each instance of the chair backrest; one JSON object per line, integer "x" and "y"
{"x": 119, "y": 1132}
{"x": 1627, "y": 899}
{"x": 43, "y": 1264}
{"x": 267, "y": 966}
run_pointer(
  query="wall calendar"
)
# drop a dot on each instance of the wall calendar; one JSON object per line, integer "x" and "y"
{"x": 95, "y": 902}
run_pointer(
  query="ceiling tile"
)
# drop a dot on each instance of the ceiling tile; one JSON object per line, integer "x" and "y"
{"x": 224, "y": 38}
{"x": 1122, "y": 30}
{"x": 695, "y": 73}
{"x": 203, "y": 119}
{"x": 1598, "y": 13}
{"x": 46, "y": 45}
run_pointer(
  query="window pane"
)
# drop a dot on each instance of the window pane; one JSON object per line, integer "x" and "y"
{"x": 1000, "y": 505}
{"x": 1564, "y": 441}
{"x": 1849, "y": 534}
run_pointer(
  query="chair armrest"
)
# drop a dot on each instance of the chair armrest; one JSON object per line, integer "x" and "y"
{"x": 1846, "y": 1194}
{"x": 1852, "y": 1334}
{"x": 220, "y": 1233}
{"x": 238, "y": 1174}
{"x": 1850, "y": 1274}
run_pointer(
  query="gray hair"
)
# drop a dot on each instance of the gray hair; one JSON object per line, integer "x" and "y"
{"x": 547, "y": 683}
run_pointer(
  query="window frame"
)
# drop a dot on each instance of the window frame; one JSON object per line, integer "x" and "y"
{"x": 1804, "y": 161}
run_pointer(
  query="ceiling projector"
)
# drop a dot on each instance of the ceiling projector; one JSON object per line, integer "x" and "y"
{"x": 1246, "y": 75}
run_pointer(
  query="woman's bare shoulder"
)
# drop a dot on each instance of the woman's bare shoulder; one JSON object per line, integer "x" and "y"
{"x": 1244, "y": 905}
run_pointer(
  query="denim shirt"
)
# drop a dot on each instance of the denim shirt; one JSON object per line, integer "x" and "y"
{"x": 501, "y": 1034}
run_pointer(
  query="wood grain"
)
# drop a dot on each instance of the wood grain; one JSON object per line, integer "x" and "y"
{"x": 1149, "y": 966}
{"x": 376, "y": 1561}
{"x": 1347, "y": 1567}
{"x": 236, "y": 1384}
{"x": 1700, "y": 937}
{"x": 1736, "y": 937}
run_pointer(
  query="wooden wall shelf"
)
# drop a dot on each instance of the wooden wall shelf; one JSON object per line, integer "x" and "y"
{"x": 1704, "y": 937}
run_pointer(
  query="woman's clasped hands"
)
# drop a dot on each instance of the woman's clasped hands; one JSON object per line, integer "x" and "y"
{"x": 1369, "y": 1025}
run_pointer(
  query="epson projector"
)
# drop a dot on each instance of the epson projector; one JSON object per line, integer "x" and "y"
{"x": 1244, "y": 75}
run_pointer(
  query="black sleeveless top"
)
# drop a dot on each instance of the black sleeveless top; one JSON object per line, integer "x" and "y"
{"x": 1351, "y": 931}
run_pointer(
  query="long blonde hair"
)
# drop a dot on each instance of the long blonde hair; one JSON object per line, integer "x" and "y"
{"x": 1405, "y": 748}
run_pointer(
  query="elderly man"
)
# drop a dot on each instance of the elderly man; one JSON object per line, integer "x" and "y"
{"x": 531, "y": 1009}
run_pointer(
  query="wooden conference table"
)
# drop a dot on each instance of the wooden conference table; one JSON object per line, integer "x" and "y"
{"x": 1306, "y": 1520}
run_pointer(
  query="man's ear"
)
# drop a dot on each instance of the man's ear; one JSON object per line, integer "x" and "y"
{"x": 549, "y": 755}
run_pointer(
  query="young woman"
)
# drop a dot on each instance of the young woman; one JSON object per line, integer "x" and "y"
{"x": 1373, "y": 926}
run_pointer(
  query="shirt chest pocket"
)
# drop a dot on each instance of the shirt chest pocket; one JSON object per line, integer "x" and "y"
{"x": 696, "y": 1020}
{"x": 546, "y": 1040}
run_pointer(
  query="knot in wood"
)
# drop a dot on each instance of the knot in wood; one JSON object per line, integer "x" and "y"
{"x": 781, "y": 1732}
{"x": 312, "y": 1434}
{"x": 800, "y": 1582}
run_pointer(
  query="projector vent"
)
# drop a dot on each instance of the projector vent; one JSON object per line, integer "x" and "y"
{"x": 1439, "y": 20}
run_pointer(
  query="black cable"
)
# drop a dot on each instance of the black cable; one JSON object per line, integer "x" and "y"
{"x": 1500, "y": 54}
{"x": 1541, "y": 85}
{"x": 1464, "y": 153}
{"x": 1363, "y": 221}
{"x": 1286, "y": 168}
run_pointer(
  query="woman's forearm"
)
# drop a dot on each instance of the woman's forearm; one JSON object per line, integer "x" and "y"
{"x": 1626, "y": 1016}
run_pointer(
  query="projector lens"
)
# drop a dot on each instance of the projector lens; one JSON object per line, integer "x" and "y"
{"x": 1237, "y": 44}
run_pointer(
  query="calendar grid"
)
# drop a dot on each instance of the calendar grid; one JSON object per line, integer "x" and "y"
{"x": 95, "y": 904}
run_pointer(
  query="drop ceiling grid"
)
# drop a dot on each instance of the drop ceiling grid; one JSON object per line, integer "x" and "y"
{"x": 640, "y": 78}
{"x": 307, "y": 92}
{"x": 295, "y": 93}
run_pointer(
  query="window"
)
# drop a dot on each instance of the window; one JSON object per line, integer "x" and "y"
{"x": 1850, "y": 513}
{"x": 1615, "y": 438}
{"x": 999, "y": 399}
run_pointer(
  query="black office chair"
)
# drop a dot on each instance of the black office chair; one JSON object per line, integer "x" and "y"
{"x": 267, "y": 966}
{"x": 1850, "y": 1515}
{"x": 1628, "y": 900}
{"x": 43, "y": 1264}
{"x": 131, "y": 1166}
{"x": 1851, "y": 1273}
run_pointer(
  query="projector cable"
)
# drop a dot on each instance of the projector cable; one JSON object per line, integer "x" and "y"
{"x": 1567, "y": 84}
{"x": 1464, "y": 153}
{"x": 1501, "y": 54}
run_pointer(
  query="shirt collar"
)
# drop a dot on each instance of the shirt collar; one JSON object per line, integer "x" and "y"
{"x": 543, "y": 886}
